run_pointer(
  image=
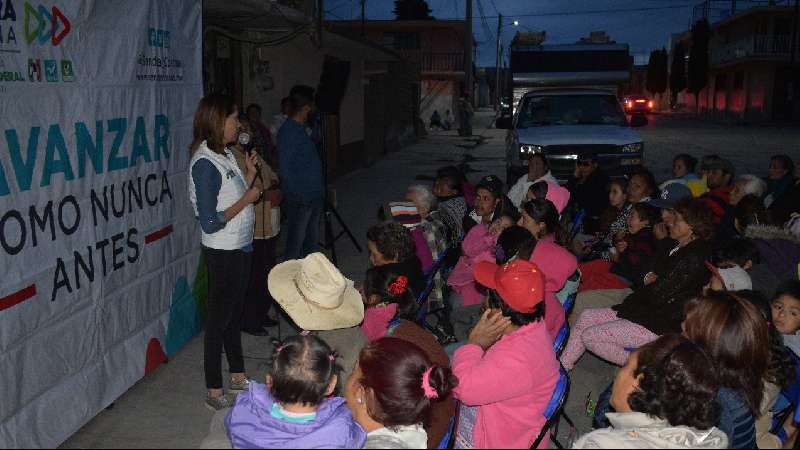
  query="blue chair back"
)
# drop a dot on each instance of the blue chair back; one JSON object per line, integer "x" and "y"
{"x": 556, "y": 405}
{"x": 577, "y": 223}
{"x": 569, "y": 304}
{"x": 561, "y": 340}
{"x": 430, "y": 283}
{"x": 445, "y": 442}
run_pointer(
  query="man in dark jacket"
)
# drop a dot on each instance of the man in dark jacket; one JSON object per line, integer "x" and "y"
{"x": 589, "y": 191}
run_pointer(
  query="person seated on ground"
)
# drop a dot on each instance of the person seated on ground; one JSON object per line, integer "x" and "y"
{"x": 665, "y": 398}
{"x": 726, "y": 278}
{"x": 436, "y": 121}
{"x": 387, "y": 297}
{"x": 449, "y": 191}
{"x": 391, "y": 244}
{"x": 511, "y": 242}
{"x": 780, "y": 375}
{"x": 779, "y": 248}
{"x": 448, "y": 120}
{"x": 392, "y": 390}
{"x": 407, "y": 215}
{"x": 490, "y": 203}
{"x": 507, "y": 372}
{"x": 786, "y": 314}
{"x": 789, "y": 203}
{"x": 478, "y": 246}
{"x": 642, "y": 186}
{"x": 613, "y": 224}
{"x": 744, "y": 253}
{"x": 683, "y": 171}
{"x": 629, "y": 255}
{"x": 538, "y": 170}
{"x": 540, "y": 218}
{"x": 671, "y": 195}
{"x": 630, "y": 320}
{"x": 294, "y": 409}
{"x": 720, "y": 185}
{"x": 781, "y": 178}
{"x": 319, "y": 299}
{"x": 588, "y": 191}
{"x": 436, "y": 236}
{"x": 747, "y": 185}
{"x": 736, "y": 337}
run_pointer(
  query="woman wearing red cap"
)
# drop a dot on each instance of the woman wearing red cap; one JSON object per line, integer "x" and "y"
{"x": 507, "y": 371}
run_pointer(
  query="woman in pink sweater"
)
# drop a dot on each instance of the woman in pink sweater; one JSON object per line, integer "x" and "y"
{"x": 508, "y": 370}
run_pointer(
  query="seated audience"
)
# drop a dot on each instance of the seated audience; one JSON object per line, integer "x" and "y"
{"x": 781, "y": 178}
{"x": 613, "y": 222}
{"x": 789, "y": 203}
{"x": 391, "y": 244}
{"x": 747, "y": 185}
{"x": 407, "y": 214}
{"x": 294, "y": 409}
{"x": 551, "y": 191}
{"x": 786, "y": 314}
{"x": 727, "y": 279}
{"x": 744, "y": 253}
{"x": 559, "y": 265}
{"x": 490, "y": 203}
{"x": 508, "y": 369}
{"x": 392, "y": 390}
{"x": 778, "y": 248}
{"x": 436, "y": 236}
{"x": 683, "y": 172}
{"x": 654, "y": 309}
{"x": 642, "y": 186}
{"x": 511, "y": 244}
{"x": 720, "y": 185}
{"x": 736, "y": 337}
{"x": 387, "y": 297}
{"x": 629, "y": 255}
{"x": 540, "y": 218}
{"x": 538, "y": 170}
{"x": 449, "y": 191}
{"x": 478, "y": 246}
{"x": 664, "y": 398}
{"x": 588, "y": 192}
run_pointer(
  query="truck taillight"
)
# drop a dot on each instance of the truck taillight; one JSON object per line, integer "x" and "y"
{"x": 650, "y": 104}
{"x": 629, "y": 104}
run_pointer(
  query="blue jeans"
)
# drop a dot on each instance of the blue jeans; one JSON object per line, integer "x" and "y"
{"x": 303, "y": 217}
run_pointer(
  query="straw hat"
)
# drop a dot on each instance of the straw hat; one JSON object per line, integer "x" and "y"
{"x": 315, "y": 294}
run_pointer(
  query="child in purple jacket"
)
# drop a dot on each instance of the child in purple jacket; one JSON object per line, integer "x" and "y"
{"x": 295, "y": 408}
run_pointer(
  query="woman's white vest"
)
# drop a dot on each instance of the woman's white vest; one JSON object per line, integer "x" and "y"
{"x": 238, "y": 232}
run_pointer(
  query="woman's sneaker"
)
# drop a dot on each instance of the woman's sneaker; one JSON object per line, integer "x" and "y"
{"x": 219, "y": 403}
{"x": 239, "y": 386}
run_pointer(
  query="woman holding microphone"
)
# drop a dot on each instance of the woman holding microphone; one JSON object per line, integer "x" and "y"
{"x": 222, "y": 198}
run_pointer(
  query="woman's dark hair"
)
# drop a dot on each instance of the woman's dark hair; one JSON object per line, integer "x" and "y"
{"x": 750, "y": 211}
{"x": 699, "y": 217}
{"x": 392, "y": 371}
{"x": 785, "y": 161}
{"x": 545, "y": 211}
{"x": 452, "y": 177}
{"x": 517, "y": 318}
{"x": 736, "y": 336}
{"x": 647, "y": 213}
{"x": 209, "y": 122}
{"x": 688, "y": 160}
{"x": 790, "y": 288}
{"x": 539, "y": 190}
{"x": 299, "y": 98}
{"x": 781, "y": 370}
{"x": 378, "y": 281}
{"x": 393, "y": 241}
{"x": 302, "y": 370}
{"x": 677, "y": 383}
{"x": 649, "y": 179}
{"x": 510, "y": 242}
{"x": 738, "y": 251}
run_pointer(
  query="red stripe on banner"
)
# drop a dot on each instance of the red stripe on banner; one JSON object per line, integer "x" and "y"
{"x": 18, "y": 297}
{"x": 158, "y": 235}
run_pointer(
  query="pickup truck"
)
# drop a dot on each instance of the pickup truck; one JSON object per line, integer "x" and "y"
{"x": 563, "y": 124}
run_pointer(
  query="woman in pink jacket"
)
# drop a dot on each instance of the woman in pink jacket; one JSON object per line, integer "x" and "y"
{"x": 508, "y": 371}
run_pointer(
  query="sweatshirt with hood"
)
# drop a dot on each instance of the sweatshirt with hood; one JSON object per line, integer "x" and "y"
{"x": 557, "y": 264}
{"x": 638, "y": 430}
{"x": 252, "y": 424}
{"x": 779, "y": 250}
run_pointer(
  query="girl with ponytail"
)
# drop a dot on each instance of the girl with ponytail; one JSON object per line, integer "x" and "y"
{"x": 387, "y": 298}
{"x": 392, "y": 391}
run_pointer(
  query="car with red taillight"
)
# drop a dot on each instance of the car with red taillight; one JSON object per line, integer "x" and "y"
{"x": 638, "y": 104}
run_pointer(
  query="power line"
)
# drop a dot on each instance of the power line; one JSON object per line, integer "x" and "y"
{"x": 582, "y": 13}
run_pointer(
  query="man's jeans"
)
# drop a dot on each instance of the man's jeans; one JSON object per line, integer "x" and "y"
{"x": 303, "y": 217}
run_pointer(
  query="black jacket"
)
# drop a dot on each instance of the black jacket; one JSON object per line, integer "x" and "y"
{"x": 592, "y": 197}
{"x": 681, "y": 277}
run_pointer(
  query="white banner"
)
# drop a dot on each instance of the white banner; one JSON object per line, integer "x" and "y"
{"x": 98, "y": 244}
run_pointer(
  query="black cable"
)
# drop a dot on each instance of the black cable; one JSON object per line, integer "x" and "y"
{"x": 581, "y": 13}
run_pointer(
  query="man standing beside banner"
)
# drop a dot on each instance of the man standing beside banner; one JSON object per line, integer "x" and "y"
{"x": 223, "y": 203}
{"x": 301, "y": 176}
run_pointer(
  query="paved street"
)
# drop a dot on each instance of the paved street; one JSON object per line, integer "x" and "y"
{"x": 167, "y": 409}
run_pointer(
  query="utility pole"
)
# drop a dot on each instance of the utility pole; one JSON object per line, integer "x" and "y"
{"x": 468, "y": 58}
{"x": 498, "y": 69}
{"x": 320, "y": 19}
{"x": 363, "y": 18}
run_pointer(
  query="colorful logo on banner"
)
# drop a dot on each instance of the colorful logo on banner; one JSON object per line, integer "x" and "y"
{"x": 43, "y": 25}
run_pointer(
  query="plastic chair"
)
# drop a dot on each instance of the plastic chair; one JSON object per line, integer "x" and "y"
{"x": 577, "y": 224}
{"x": 561, "y": 340}
{"x": 445, "y": 442}
{"x": 554, "y": 411}
{"x": 569, "y": 304}
{"x": 430, "y": 283}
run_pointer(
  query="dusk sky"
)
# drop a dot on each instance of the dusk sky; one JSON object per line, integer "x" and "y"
{"x": 645, "y": 26}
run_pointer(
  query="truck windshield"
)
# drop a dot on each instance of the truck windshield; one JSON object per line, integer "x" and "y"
{"x": 570, "y": 110}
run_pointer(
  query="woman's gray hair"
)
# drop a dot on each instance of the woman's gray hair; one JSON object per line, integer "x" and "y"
{"x": 424, "y": 195}
{"x": 753, "y": 185}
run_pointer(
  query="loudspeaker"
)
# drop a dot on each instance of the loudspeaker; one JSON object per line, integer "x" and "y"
{"x": 332, "y": 85}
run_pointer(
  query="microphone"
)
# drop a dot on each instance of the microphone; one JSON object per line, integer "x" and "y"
{"x": 244, "y": 141}
{"x": 244, "y": 138}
